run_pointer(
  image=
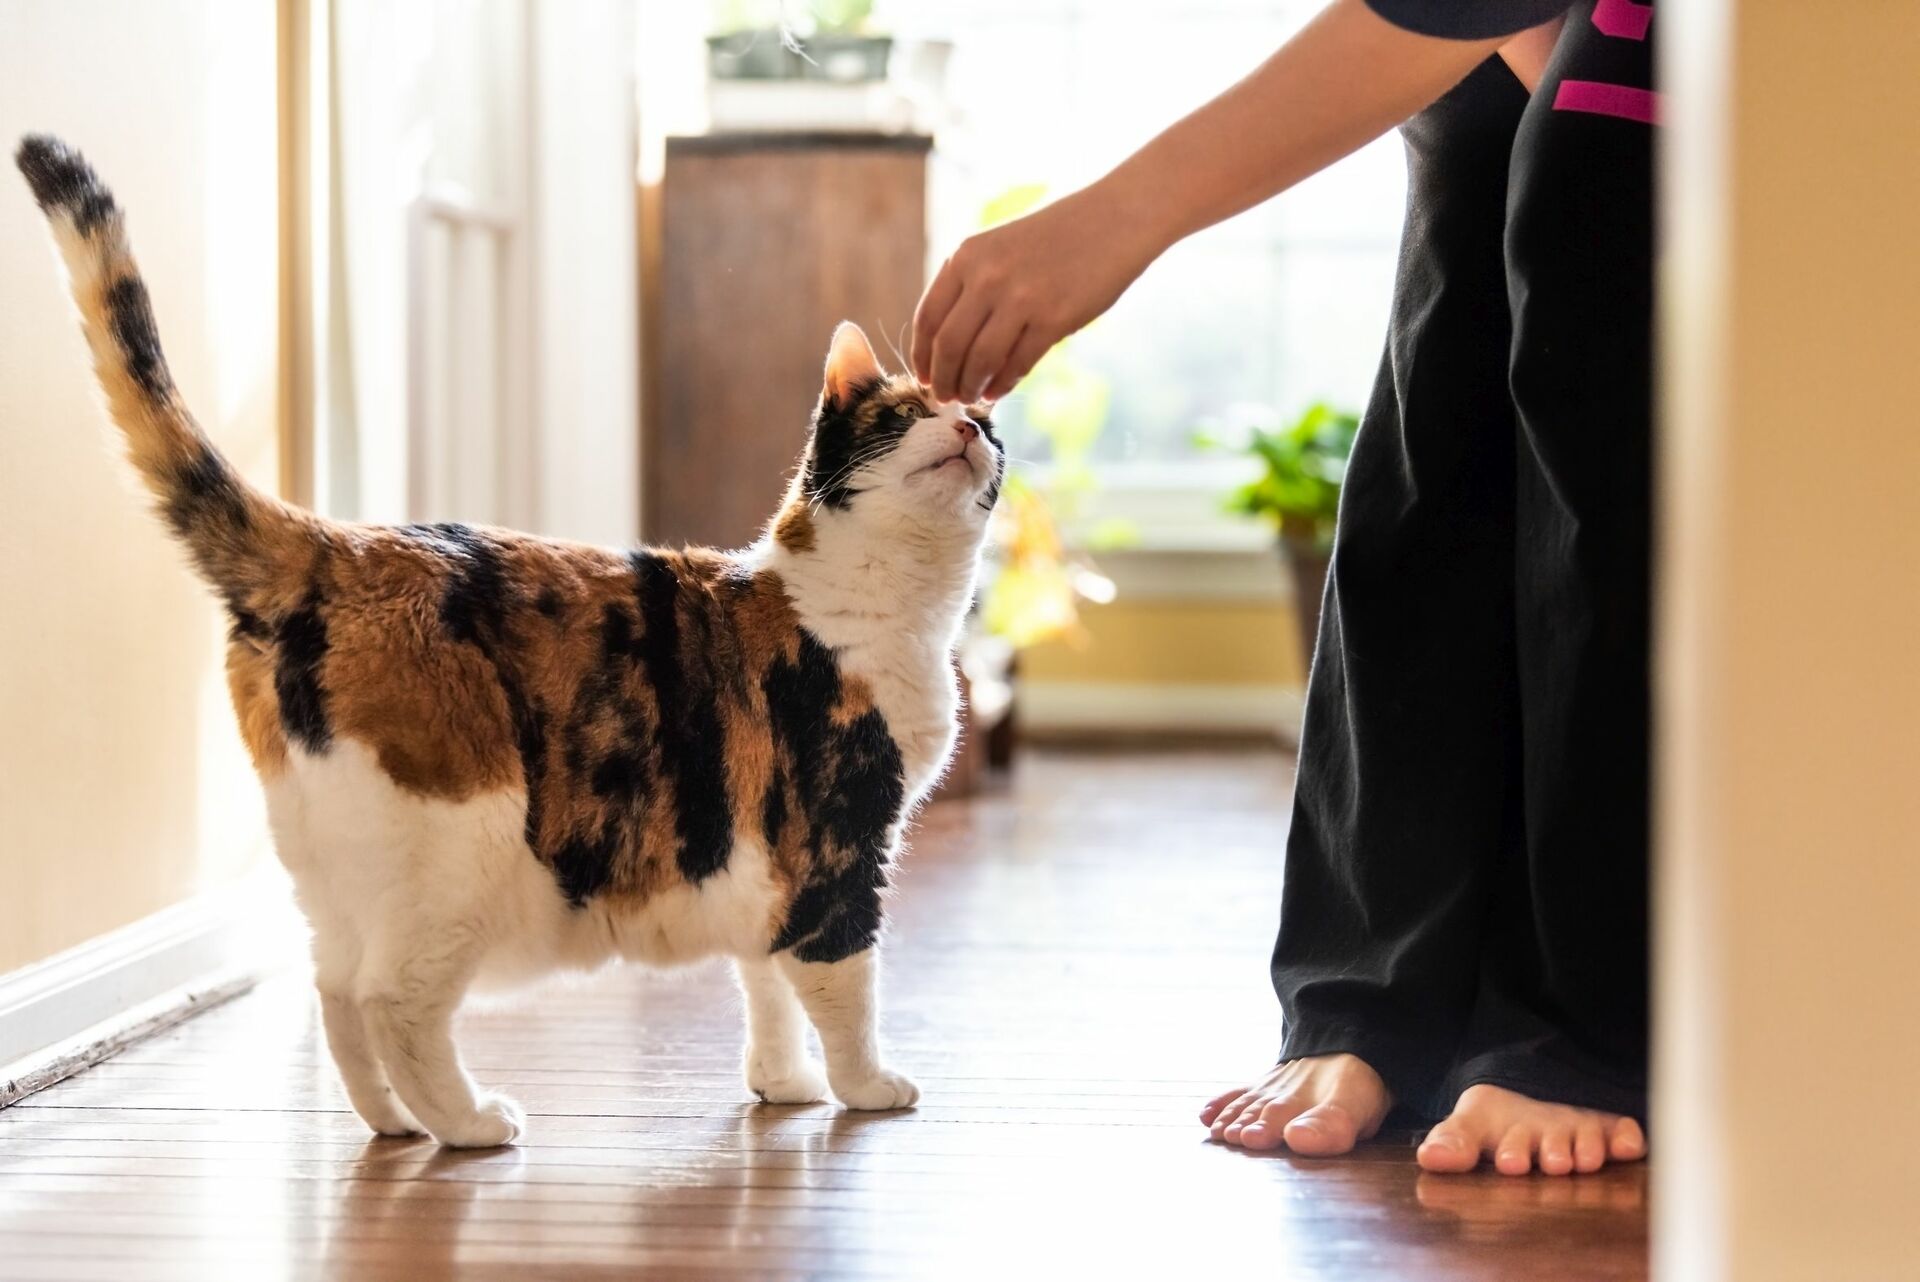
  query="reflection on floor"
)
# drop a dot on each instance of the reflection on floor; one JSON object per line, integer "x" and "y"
{"x": 1075, "y": 965}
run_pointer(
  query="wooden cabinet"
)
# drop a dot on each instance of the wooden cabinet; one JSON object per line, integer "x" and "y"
{"x": 765, "y": 243}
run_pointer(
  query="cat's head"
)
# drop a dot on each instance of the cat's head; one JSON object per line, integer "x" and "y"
{"x": 887, "y": 457}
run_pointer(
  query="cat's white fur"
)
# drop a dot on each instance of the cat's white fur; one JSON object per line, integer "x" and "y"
{"x": 412, "y": 900}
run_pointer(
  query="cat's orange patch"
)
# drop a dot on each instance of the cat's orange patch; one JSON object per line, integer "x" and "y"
{"x": 793, "y": 529}
{"x": 250, "y": 685}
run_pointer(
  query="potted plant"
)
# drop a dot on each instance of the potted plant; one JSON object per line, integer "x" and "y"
{"x": 1298, "y": 492}
{"x": 774, "y": 40}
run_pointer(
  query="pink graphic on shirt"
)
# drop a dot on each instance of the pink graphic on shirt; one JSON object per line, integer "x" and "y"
{"x": 1627, "y": 19}
{"x": 1599, "y": 99}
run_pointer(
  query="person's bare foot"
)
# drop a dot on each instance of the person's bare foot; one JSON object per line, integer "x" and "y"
{"x": 1521, "y": 1133}
{"x": 1320, "y": 1106}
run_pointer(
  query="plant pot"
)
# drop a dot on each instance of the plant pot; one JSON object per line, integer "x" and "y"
{"x": 766, "y": 55}
{"x": 847, "y": 60}
{"x": 1307, "y": 562}
{"x": 753, "y": 55}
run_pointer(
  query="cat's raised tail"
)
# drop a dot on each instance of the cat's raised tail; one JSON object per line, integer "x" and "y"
{"x": 243, "y": 540}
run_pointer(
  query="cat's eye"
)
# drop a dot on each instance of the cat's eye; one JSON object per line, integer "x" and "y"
{"x": 913, "y": 410}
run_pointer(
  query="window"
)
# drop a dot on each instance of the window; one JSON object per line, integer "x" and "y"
{"x": 1252, "y": 320}
{"x": 1256, "y": 318}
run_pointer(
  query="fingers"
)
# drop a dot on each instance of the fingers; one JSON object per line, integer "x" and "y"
{"x": 927, "y": 317}
{"x": 954, "y": 339}
{"x": 1034, "y": 342}
{"x": 990, "y": 350}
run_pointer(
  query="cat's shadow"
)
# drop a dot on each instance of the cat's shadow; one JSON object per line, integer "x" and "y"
{"x": 435, "y": 1211}
{"x": 408, "y": 1202}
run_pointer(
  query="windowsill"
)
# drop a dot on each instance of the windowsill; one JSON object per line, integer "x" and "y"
{"x": 1181, "y": 544}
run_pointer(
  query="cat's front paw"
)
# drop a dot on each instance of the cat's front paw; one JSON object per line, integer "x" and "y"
{"x": 883, "y": 1090}
{"x": 800, "y": 1081}
{"x": 497, "y": 1121}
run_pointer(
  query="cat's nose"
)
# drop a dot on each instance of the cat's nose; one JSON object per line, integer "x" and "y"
{"x": 967, "y": 428}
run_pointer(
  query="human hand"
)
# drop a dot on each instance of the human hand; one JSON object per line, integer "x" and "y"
{"x": 1007, "y": 295}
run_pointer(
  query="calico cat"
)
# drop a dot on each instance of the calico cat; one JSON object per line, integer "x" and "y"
{"x": 488, "y": 755}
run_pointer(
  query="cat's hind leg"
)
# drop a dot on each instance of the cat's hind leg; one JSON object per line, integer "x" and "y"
{"x": 779, "y": 1069}
{"x": 842, "y": 999}
{"x": 409, "y": 988}
{"x": 336, "y": 960}
{"x": 368, "y": 1090}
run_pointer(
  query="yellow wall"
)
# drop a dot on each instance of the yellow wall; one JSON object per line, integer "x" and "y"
{"x": 121, "y": 778}
{"x": 1786, "y": 1116}
{"x": 1168, "y": 642}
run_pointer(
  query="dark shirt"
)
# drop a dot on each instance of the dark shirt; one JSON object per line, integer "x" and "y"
{"x": 1467, "y": 19}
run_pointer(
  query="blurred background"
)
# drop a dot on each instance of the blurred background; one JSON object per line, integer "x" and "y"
{"x": 572, "y": 268}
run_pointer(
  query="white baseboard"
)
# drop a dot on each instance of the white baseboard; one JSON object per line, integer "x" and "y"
{"x": 1118, "y": 707}
{"x": 78, "y": 1007}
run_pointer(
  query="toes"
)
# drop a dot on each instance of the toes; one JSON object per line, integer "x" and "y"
{"x": 883, "y": 1091}
{"x": 1269, "y": 1127}
{"x": 1514, "y": 1154}
{"x": 1628, "y": 1142}
{"x": 1325, "y": 1130}
{"x": 1218, "y": 1103}
{"x": 1246, "y": 1102}
{"x": 1556, "y": 1150}
{"x": 1589, "y": 1146}
{"x": 1449, "y": 1148}
{"x": 497, "y": 1121}
{"x": 802, "y": 1083}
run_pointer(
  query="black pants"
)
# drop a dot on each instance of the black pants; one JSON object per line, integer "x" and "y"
{"x": 1466, "y": 878}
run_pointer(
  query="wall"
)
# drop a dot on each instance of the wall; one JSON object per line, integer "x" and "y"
{"x": 1194, "y": 643}
{"x": 123, "y": 783}
{"x": 1789, "y": 883}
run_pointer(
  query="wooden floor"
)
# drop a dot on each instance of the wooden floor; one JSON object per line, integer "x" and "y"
{"x": 1075, "y": 965}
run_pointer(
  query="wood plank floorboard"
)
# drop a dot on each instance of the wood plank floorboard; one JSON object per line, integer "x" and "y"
{"x": 1075, "y": 964}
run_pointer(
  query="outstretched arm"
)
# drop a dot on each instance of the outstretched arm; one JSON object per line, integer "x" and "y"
{"x": 1009, "y": 294}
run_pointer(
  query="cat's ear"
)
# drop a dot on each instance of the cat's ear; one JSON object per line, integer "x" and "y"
{"x": 851, "y": 365}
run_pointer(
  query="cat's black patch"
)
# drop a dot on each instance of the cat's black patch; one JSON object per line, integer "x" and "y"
{"x": 244, "y": 624}
{"x": 991, "y": 496}
{"x": 583, "y": 866}
{"x": 844, "y": 438}
{"x": 773, "y": 809}
{"x": 851, "y": 783}
{"x": 300, "y": 646}
{"x": 549, "y": 602}
{"x": 620, "y": 775}
{"x": 205, "y": 495}
{"x": 692, "y": 745}
{"x": 130, "y": 317}
{"x": 475, "y": 608}
{"x": 530, "y": 738}
{"x": 62, "y": 179}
